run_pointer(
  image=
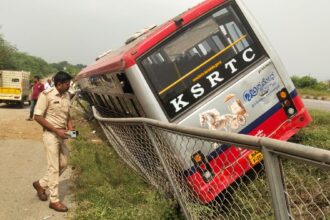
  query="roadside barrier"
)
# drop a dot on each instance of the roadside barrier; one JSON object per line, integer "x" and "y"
{"x": 292, "y": 182}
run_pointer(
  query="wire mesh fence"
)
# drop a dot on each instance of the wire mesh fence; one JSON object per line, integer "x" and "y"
{"x": 221, "y": 176}
{"x": 307, "y": 190}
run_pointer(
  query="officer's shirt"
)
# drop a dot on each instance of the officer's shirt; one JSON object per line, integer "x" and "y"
{"x": 54, "y": 107}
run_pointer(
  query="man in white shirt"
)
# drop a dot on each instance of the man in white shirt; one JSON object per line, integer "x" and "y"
{"x": 48, "y": 84}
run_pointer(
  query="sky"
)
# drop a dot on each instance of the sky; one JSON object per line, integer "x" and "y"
{"x": 79, "y": 30}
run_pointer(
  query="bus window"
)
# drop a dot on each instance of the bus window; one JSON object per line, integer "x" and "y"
{"x": 99, "y": 101}
{"x": 182, "y": 69}
{"x": 137, "y": 108}
{"x": 108, "y": 78}
{"x": 109, "y": 103}
{"x": 126, "y": 86}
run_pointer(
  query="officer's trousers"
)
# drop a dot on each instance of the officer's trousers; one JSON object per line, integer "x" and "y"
{"x": 57, "y": 160}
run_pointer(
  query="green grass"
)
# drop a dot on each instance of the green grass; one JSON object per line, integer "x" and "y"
{"x": 314, "y": 93}
{"x": 106, "y": 188}
{"x": 317, "y": 134}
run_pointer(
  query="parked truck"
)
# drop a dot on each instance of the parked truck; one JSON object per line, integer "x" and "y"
{"x": 14, "y": 87}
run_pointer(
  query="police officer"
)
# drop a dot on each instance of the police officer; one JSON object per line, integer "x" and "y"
{"x": 52, "y": 113}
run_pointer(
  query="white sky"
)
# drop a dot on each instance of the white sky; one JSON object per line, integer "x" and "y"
{"x": 80, "y": 30}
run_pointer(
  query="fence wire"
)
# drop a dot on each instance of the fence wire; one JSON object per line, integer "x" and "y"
{"x": 239, "y": 187}
{"x": 307, "y": 190}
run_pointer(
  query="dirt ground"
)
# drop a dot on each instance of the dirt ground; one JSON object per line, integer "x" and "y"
{"x": 22, "y": 161}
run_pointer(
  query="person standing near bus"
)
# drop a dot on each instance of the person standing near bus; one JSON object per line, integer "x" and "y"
{"x": 48, "y": 84}
{"x": 52, "y": 113}
{"x": 37, "y": 88}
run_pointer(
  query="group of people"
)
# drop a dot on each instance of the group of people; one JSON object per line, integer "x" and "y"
{"x": 50, "y": 108}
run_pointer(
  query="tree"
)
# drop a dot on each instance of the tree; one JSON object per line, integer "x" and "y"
{"x": 304, "y": 82}
{"x": 6, "y": 51}
{"x": 307, "y": 81}
{"x": 71, "y": 69}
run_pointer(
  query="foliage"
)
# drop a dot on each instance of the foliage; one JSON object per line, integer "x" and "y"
{"x": 310, "y": 83}
{"x": 64, "y": 65}
{"x": 35, "y": 65}
{"x": 6, "y": 51}
{"x": 106, "y": 188}
{"x": 12, "y": 59}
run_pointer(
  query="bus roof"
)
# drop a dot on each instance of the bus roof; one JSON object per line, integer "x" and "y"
{"x": 124, "y": 57}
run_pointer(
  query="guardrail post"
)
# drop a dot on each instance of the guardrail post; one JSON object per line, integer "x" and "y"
{"x": 276, "y": 183}
{"x": 161, "y": 159}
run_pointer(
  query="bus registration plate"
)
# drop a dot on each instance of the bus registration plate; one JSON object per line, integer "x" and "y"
{"x": 255, "y": 157}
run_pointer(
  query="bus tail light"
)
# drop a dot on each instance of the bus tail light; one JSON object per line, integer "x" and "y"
{"x": 203, "y": 166}
{"x": 287, "y": 102}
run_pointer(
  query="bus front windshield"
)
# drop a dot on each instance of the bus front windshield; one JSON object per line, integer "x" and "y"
{"x": 200, "y": 59}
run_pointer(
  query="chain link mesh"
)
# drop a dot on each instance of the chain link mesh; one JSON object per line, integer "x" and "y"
{"x": 236, "y": 186}
{"x": 307, "y": 190}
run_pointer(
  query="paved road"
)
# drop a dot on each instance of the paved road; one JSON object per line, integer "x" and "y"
{"x": 317, "y": 104}
{"x": 22, "y": 161}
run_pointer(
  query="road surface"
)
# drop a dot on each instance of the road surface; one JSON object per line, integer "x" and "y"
{"x": 317, "y": 104}
{"x": 22, "y": 161}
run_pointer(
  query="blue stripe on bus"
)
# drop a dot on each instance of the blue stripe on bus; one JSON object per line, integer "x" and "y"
{"x": 222, "y": 148}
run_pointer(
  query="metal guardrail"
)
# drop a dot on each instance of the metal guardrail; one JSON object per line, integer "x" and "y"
{"x": 292, "y": 182}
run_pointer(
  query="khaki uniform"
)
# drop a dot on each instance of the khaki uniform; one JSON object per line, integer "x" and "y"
{"x": 55, "y": 109}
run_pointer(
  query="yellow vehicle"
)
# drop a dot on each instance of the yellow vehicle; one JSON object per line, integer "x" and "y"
{"x": 14, "y": 87}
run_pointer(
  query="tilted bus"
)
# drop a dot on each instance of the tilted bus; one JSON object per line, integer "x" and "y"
{"x": 209, "y": 67}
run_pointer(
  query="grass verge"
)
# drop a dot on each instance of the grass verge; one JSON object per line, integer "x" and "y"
{"x": 314, "y": 93}
{"x": 317, "y": 134}
{"x": 106, "y": 188}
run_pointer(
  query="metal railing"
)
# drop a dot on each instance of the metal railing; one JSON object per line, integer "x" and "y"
{"x": 292, "y": 182}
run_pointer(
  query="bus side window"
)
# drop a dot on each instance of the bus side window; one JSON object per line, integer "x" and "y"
{"x": 87, "y": 96}
{"x": 126, "y": 86}
{"x": 123, "y": 106}
{"x": 109, "y": 80}
{"x": 93, "y": 99}
{"x": 109, "y": 102}
{"x": 93, "y": 80}
{"x": 99, "y": 101}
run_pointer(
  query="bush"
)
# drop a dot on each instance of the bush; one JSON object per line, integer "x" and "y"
{"x": 321, "y": 86}
{"x": 304, "y": 82}
{"x": 308, "y": 82}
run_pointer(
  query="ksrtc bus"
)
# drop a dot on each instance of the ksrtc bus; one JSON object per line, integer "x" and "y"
{"x": 209, "y": 67}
